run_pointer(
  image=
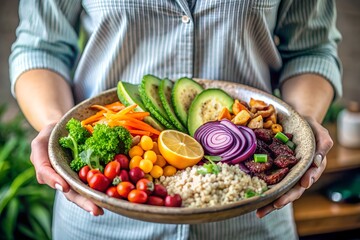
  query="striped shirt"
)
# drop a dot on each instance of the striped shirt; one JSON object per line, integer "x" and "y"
{"x": 245, "y": 41}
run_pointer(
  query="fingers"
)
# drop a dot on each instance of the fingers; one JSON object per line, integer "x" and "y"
{"x": 262, "y": 212}
{"x": 84, "y": 203}
{"x": 323, "y": 141}
{"x": 292, "y": 195}
{"x": 45, "y": 173}
{"x": 312, "y": 175}
{"x": 309, "y": 178}
{"x": 323, "y": 145}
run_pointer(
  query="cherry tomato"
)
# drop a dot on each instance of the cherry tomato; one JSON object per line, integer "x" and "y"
{"x": 124, "y": 175}
{"x": 91, "y": 173}
{"x": 145, "y": 185}
{"x": 173, "y": 200}
{"x": 112, "y": 192}
{"x": 160, "y": 191}
{"x": 154, "y": 200}
{"x": 146, "y": 165}
{"x": 136, "y": 174}
{"x": 137, "y": 196}
{"x": 112, "y": 169}
{"x": 149, "y": 177}
{"x": 99, "y": 182}
{"x": 83, "y": 173}
{"x": 123, "y": 160}
{"x": 124, "y": 188}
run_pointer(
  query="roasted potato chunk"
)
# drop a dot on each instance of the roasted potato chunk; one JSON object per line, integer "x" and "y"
{"x": 241, "y": 118}
{"x": 256, "y": 122}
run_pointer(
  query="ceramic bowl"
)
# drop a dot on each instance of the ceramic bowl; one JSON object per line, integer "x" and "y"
{"x": 290, "y": 119}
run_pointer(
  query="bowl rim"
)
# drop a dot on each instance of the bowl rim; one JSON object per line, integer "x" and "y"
{"x": 112, "y": 204}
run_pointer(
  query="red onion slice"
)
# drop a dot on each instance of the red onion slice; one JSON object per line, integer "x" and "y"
{"x": 225, "y": 139}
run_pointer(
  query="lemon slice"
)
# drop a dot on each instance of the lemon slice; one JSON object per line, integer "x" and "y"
{"x": 179, "y": 149}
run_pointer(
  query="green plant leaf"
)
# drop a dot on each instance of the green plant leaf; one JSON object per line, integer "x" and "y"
{"x": 42, "y": 192}
{"x": 40, "y": 214}
{"x": 37, "y": 228}
{"x": 19, "y": 189}
{"x": 11, "y": 216}
{"x": 8, "y": 148}
{"x": 16, "y": 184}
{"x": 27, "y": 231}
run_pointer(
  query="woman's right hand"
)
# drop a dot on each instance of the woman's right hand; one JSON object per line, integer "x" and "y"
{"x": 45, "y": 173}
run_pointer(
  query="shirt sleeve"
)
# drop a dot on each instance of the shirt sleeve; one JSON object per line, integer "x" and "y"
{"x": 308, "y": 40}
{"x": 46, "y": 38}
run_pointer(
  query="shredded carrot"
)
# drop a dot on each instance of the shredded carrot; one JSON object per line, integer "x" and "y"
{"x": 135, "y": 115}
{"x": 100, "y": 107}
{"x": 89, "y": 128}
{"x": 138, "y": 115}
{"x": 115, "y": 106}
{"x": 138, "y": 124}
{"x": 127, "y": 109}
{"x": 139, "y": 132}
{"x": 99, "y": 115}
{"x": 117, "y": 114}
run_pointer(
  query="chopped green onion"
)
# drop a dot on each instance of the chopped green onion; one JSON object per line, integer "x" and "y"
{"x": 213, "y": 158}
{"x": 260, "y": 158}
{"x": 282, "y": 137}
{"x": 291, "y": 145}
{"x": 250, "y": 193}
{"x": 210, "y": 167}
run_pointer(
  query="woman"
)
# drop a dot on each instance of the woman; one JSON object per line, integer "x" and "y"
{"x": 243, "y": 41}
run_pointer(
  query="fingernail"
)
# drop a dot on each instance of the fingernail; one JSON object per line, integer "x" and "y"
{"x": 312, "y": 180}
{"x": 92, "y": 214}
{"x": 269, "y": 211}
{"x": 318, "y": 159}
{"x": 59, "y": 187}
{"x": 277, "y": 207}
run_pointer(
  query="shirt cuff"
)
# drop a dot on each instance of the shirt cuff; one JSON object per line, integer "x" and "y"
{"x": 36, "y": 60}
{"x": 327, "y": 68}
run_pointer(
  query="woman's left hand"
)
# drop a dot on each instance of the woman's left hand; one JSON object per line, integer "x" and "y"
{"x": 323, "y": 145}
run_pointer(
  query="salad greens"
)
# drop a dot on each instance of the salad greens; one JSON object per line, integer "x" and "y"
{"x": 210, "y": 167}
{"x": 93, "y": 149}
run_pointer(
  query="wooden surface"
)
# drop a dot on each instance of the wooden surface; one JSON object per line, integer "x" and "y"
{"x": 314, "y": 212}
{"x": 341, "y": 158}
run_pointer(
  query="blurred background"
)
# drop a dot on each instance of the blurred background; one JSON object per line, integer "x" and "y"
{"x": 330, "y": 210}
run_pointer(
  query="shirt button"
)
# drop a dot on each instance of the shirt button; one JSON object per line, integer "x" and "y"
{"x": 185, "y": 19}
{"x": 276, "y": 40}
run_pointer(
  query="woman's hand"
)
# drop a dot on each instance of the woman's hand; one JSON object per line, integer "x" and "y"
{"x": 45, "y": 173}
{"x": 323, "y": 145}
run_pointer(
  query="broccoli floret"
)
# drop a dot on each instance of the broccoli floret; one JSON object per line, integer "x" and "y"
{"x": 76, "y": 164}
{"x": 75, "y": 142}
{"x": 77, "y": 131}
{"x": 107, "y": 141}
{"x": 91, "y": 159}
{"x": 125, "y": 139}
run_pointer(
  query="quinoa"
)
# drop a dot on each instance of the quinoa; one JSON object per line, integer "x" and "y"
{"x": 198, "y": 190}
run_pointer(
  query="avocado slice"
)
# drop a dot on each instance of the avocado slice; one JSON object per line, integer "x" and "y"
{"x": 183, "y": 93}
{"x": 128, "y": 94}
{"x": 165, "y": 90}
{"x": 149, "y": 93}
{"x": 206, "y": 107}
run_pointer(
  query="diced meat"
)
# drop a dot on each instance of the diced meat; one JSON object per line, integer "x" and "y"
{"x": 255, "y": 167}
{"x": 263, "y": 134}
{"x": 279, "y": 148}
{"x": 274, "y": 176}
{"x": 283, "y": 161}
{"x": 289, "y": 135}
{"x": 262, "y": 147}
